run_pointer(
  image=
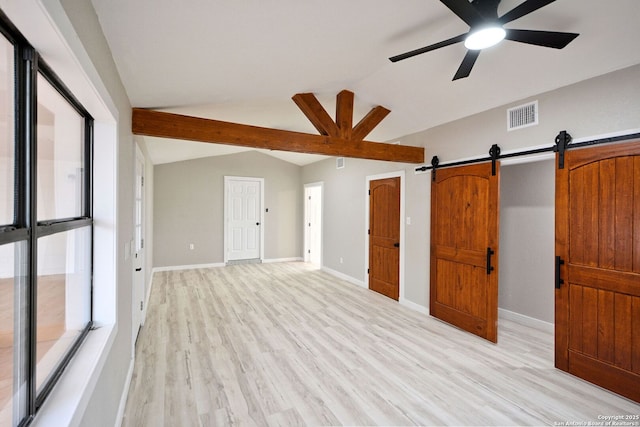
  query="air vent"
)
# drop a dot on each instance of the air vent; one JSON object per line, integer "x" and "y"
{"x": 340, "y": 163}
{"x": 522, "y": 116}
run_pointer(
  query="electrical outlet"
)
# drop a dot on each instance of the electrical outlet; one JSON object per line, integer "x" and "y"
{"x": 341, "y": 260}
{"x": 191, "y": 246}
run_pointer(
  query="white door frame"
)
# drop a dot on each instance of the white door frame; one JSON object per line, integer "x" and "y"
{"x": 306, "y": 215}
{"x": 138, "y": 291}
{"x": 226, "y": 214}
{"x": 403, "y": 240}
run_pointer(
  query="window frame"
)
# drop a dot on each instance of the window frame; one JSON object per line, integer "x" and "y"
{"x": 25, "y": 227}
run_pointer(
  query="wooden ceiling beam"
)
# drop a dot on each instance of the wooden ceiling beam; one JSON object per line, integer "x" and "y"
{"x": 344, "y": 113}
{"x": 368, "y": 122}
{"x": 317, "y": 115}
{"x": 176, "y": 126}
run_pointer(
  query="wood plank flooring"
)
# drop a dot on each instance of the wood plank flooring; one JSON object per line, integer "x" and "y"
{"x": 285, "y": 344}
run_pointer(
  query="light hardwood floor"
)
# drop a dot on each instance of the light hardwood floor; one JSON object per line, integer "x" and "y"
{"x": 284, "y": 344}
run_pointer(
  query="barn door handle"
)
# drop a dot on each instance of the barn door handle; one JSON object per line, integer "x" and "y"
{"x": 559, "y": 280}
{"x": 489, "y": 266}
{"x": 139, "y": 269}
{"x": 396, "y": 245}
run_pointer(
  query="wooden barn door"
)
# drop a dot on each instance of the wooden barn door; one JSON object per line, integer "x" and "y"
{"x": 384, "y": 236}
{"x": 464, "y": 248}
{"x": 598, "y": 266}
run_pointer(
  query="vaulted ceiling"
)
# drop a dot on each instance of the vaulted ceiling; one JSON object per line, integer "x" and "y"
{"x": 242, "y": 61}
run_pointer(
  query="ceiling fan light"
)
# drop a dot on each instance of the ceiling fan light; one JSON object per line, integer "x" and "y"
{"x": 484, "y": 38}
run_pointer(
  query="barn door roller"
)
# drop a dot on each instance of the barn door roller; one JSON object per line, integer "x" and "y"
{"x": 562, "y": 143}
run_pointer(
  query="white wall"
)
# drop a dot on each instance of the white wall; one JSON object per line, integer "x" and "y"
{"x": 527, "y": 239}
{"x": 189, "y": 207}
{"x": 606, "y": 104}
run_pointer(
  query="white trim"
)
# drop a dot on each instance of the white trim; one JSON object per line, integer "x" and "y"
{"x": 147, "y": 297}
{"x": 344, "y": 277}
{"x": 399, "y": 174}
{"x": 125, "y": 394}
{"x": 272, "y": 260}
{"x": 607, "y": 135}
{"x": 414, "y": 306}
{"x": 304, "y": 223}
{"x": 138, "y": 315}
{"x": 213, "y": 265}
{"x": 67, "y": 404}
{"x": 186, "y": 267}
{"x": 226, "y": 218}
{"x": 526, "y": 320}
{"x": 530, "y": 158}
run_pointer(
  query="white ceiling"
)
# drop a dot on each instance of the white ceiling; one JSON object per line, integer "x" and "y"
{"x": 242, "y": 61}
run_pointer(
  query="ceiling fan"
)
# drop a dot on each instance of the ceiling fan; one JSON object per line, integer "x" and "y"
{"x": 487, "y": 30}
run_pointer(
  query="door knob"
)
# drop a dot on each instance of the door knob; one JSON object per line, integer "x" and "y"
{"x": 257, "y": 223}
{"x": 396, "y": 245}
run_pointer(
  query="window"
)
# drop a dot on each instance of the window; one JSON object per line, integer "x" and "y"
{"x": 7, "y": 153}
{"x": 60, "y": 155}
{"x": 46, "y": 227}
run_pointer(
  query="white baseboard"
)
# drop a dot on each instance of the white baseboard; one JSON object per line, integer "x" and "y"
{"x": 294, "y": 259}
{"x": 187, "y": 267}
{"x": 125, "y": 394}
{"x": 344, "y": 277}
{"x": 526, "y": 320}
{"x": 414, "y": 306}
{"x": 217, "y": 264}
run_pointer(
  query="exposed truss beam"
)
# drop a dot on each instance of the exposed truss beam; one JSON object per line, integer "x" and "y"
{"x": 176, "y": 126}
{"x": 344, "y": 113}
{"x": 317, "y": 115}
{"x": 368, "y": 122}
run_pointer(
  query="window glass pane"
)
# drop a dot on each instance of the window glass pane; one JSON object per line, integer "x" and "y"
{"x": 13, "y": 361}
{"x": 64, "y": 296}
{"x": 7, "y": 141}
{"x": 60, "y": 155}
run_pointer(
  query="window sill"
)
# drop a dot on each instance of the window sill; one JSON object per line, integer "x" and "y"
{"x": 67, "y": 401}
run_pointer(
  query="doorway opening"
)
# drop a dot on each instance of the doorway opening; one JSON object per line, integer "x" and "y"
{"x": 313, "y": 223}
{"x": 390, "y": 273}
{"x": 139, "y": 291}
{"x": 243, "y": 219}
{"x": 527, "y": 242}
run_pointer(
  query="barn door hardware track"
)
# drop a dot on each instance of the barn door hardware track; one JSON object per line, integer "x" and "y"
{"x": 563, "y": 143}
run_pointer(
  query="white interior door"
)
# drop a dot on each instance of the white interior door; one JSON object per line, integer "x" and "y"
{"x": 313, "y": 223}
{"x": 138, "y": 249}
{"x": 243, "y": 209}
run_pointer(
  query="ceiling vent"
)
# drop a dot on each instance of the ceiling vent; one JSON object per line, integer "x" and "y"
{"x": 522, "y": 116}
{"x": 340, "y": 163}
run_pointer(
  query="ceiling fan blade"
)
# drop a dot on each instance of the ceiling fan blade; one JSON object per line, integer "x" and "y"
{"x": 552, "y": 39}
{"x": 523, "y": 9}
{"x": 467, "y": 64}
{"x": 429, "y": 48}
{"x": 464, "y": 10}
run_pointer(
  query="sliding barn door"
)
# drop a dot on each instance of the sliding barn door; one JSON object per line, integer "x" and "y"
{"x": 464, "y": 248}
{"x": 598, "y": 266}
